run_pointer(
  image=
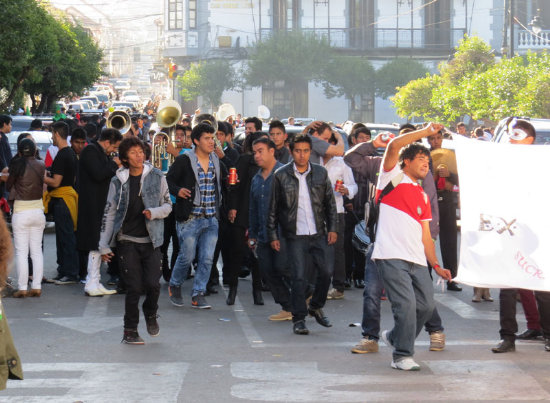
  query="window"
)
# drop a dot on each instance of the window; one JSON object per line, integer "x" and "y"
{"x": 286, "y": 14}
{"x": 361, "y": 23}
{"x": 175, "y": 14}
{"x": 437, "y": 23}
{"x": 192, "y": 14}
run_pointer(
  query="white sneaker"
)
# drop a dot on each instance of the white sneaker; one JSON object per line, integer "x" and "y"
{"x": 406, "y": 364}
{"x": 384, "y": 337}
{"x": 106, "y": 291}
{"x": 95, "y": 292}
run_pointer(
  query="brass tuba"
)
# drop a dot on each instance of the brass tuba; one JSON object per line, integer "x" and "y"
{"x": 168, "y": 114}
{"x": 120, "y": 121}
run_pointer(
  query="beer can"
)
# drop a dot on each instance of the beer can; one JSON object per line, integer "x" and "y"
{"x": 387, "y": 136}
{"x": 232, "y": 176}
{"x": 338, "y": 184}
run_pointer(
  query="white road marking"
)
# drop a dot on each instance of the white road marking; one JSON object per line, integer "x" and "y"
{"x": 461, "y": 379}
{"x": 97, "y": 382}
{"x": 93, "y": 320}
{"x": 253, "y": 337}
{"x": 467, "y": 311}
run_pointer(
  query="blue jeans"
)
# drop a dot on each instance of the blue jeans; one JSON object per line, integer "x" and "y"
{"x": 371, "y": 299}
{"x": 301, "y": 250}
{"x": 410, "y": 291}
{"x": 201, "y": 232}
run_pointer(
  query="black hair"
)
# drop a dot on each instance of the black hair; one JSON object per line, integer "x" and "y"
{"x": 222, "y": 126}
{"x": 264, "y": 140}
{"x": 322, "y": 127}
{"x": 5, "y": 120}
{"x": 257, "y": 122}
{"x": 410, "y": 128}
{"x": 247, "y": 145}
{"x": 91, "y": 131}
{"x": 300, "y": 138}
{"x": 62, "y": 129}
{"x": 78, "y": 134}
{"x": 22, "y": 136}
{"x": 277, "y": 124}
{"x": 111, "y": 135}
{"x": 199, "y": 130}
{"x": 186, "y": 120}
{"x": 410, "y": 151}
{"x": 125, "y": 146}
{"x": 36, "y": 124}
{"x": 357, "y": 126}
{"x": 25, "y": 150}
{"x": 355, "y": 133}
{"x": 180, "y": 127}
{"x": 527, "y": 127}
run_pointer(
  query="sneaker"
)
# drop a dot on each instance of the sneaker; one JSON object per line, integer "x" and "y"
{"x": 437, "y": 341}
{"x": 66, "y": 280}
{"x": 384, "y": 336}
{"x": 106, "y": 291}
{"x": 335, "y": 294}
{"x": 406, "y": 364}
{"x": 198, "y": 301}
{"x": 365, "y": 346}
{"x": 152, "y": 325}
{"x": 283, "y": 315}
{"x": 53, "y": 280}
{"x": 174, "y": 293}
{"x": 131, "y": 336}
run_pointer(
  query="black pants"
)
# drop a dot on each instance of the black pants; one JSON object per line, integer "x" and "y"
{"x": 337, "y": 256}
{"x": 508, "y": 323}
{"x": 301, "y": 250}
{"x": 274, "y": 267}
{"x": 65, "y": 240}
{"x": 223, "y": 246}
{"x": 448, "y": 230}
{"x": 239, "y": 251}
{"x": 170, "y": 234}
{"x": 140, "y": 266}
{"x": 355, "y": 260}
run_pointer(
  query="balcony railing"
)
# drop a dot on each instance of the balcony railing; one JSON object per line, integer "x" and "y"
{"x": 363, "y": 38}
{"x": 528, "y": 40}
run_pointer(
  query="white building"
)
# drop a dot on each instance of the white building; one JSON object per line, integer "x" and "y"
{"x": 427, "y": 30}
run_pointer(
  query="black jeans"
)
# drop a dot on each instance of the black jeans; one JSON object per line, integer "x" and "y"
{"x": 336, "y": 254}
{"x": 448, "y": 231}
{"x": 302, "y": 249}
{"x": 508, "y": 323}
{"x": 140, "y": 266}
{"x": 355, "y": 260}
{"x": 274, "y": 268}
{"x": 170, "y": 234}
{"x": 65, "y": 240}
{"x": 240, "y": 250}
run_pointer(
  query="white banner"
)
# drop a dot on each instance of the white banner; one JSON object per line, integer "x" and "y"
{"x": 505, "y": 215}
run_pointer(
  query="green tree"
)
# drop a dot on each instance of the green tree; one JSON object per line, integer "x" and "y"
{"x": 415, "y": 98}
{"x": 397, "y": 73}
{"x": 209, "y": 79}
{"x": 348, "y": 77}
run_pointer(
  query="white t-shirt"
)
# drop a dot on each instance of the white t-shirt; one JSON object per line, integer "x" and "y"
{"x": 399, "y": 232}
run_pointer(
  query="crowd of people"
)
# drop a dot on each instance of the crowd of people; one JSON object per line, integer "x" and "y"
{"x": 284, "y": 208}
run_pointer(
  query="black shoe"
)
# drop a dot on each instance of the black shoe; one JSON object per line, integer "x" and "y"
{"x": 505, "y": 346}
{"x": 547, "y": 344}
{"x": 300, "y": 327}
{"x": 174, "y": 294}
{"x": 320, "y": 317}
{"x": 266, "y": 287}
{"x": 120, "y": 289}
{"x": 66, "y": 280}
{"x": 451, "y": 286}
{"x": 199, "y": 302}
{"x": 347, "y": 283}
{"x": 53, "y": 280}
{"x": 113, "y": 280}
{"x": 232, "y": 295}
{"x": 258, "y": 298}
{"x": 245, "y": 272}
{"x": 152, "y": 325}
{"x": 359, "y": 283}
{"x": 529, "y": 334}
{"x": 131, "y": 336}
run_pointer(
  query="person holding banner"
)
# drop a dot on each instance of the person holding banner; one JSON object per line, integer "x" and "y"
{"x": 404, "y": 243}
{"x": 520, "y": 132}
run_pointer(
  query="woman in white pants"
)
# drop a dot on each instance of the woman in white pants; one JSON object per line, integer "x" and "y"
{"x": 25, "y": 183}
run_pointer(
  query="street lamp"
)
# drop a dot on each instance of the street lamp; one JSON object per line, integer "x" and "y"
{"x": 536, "y": 23}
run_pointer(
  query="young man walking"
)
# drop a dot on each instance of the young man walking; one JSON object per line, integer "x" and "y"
{"x": 137, "y": 203}
{"x": 196, "y": 178}
{"x": 404, "y": 243}
{"x": 302, "y": 204}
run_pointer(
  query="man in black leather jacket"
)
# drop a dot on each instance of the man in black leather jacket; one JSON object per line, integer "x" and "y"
{"x": 303, "y": 206}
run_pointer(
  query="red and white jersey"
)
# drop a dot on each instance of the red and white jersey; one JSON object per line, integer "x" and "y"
{"x": 399, "y": 232}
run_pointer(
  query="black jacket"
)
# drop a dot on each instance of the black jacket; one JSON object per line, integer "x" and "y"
{"x": 239, "y": 194}
{"x": 283, "y": 207}
{"x": 95, "y": 170}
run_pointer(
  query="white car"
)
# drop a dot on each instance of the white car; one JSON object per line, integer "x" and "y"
{"x": 131, "y": 96}
{"x": 122, "y": 85}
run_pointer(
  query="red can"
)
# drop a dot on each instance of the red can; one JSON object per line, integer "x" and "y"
{"x": 232, "y": 176}
{"x": 338, "y": 184}
{"x": 387, "y": 136}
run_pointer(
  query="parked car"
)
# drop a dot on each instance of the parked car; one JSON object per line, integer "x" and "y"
{"x": 122, "y": 85}
{"x": 131, "y": 96}
{"x": 92, "y": 98}
{"x": 542, "y": 127}
{"x": 42, "y": 139}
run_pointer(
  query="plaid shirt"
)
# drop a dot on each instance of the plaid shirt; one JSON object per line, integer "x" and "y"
{"x": 207, "y": 191}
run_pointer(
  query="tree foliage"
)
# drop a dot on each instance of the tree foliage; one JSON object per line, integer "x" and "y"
{"x": 292, "y": 57}
{"x": 397, "y": 73}
{"x": 209, "y": 79}
{"x": 44, "y": 54}
{"x": 473, "y": 84}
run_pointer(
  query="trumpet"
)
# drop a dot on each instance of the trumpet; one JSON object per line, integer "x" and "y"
{"x": 120, "y": 121}
{"x": 168, "y": 114}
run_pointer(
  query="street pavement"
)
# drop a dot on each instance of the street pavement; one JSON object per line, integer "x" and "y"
{"x": 71, "y": 352}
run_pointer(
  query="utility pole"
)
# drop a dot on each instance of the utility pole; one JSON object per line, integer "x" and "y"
{"x": 512, "y": 18}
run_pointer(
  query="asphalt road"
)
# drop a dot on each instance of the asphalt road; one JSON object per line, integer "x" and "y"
{"x": 71, "y": 352}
